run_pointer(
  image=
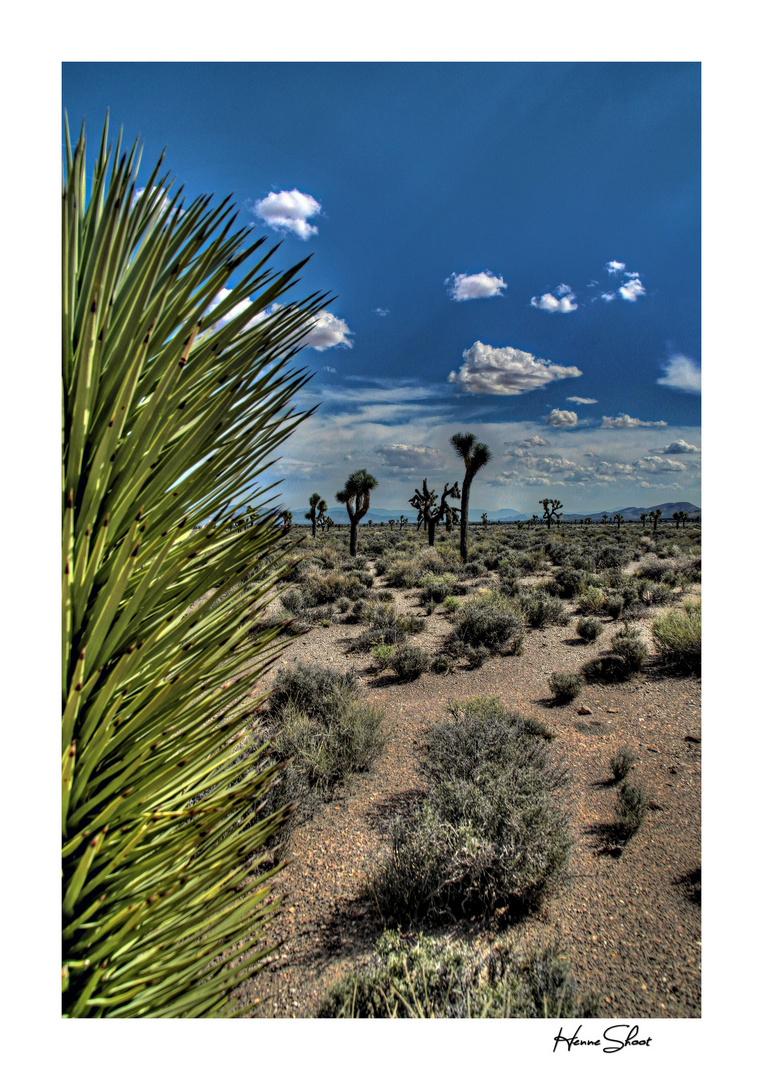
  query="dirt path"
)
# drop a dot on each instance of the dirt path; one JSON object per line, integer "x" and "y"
{"x": 630, "y": 924}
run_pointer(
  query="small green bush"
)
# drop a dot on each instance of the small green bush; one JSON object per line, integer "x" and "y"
{"x": 381, "y": 654}
{"x": 409, "y": 662}
{"x": 622, "y": 762}
{"x": 451, "y": 603}
{"x": 491, "y": 621}
{"x": 413, "y": 977}
{"x": 627, "y": 645}
{"x": 591, "y": 600}
{"x": 565, "y": 686}
{"x": 567, "y": 582}
{"x": 541, "y": 610}
{"x": 442, "y": 664}
{"x": 615, "y": 605}
{"x": 631, "y": 809}
{"x": 678, "y": 637}
{"x": 589, "y": 628}
{"x": 438, "y": 588}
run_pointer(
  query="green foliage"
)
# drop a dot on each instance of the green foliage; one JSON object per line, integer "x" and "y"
{"x": 631, "y": 808}
{"x": 622, "y": 762}
{"x": 490, "y": 833}
{"x": 589, "y": 628}
{"x": 409, "y": 662}
{"x": 565, "y": 686}
{"x": 678, "y": 637}
{"x": 541, "y": 610}
{"x": 488, "y": 621}
{"x": 627, "y": 656}
{"x": 170, "y": 413}
{"x": 419, "y": 977}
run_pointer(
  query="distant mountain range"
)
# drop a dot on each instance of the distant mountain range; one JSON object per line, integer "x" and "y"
{"x": 381, "y": 514}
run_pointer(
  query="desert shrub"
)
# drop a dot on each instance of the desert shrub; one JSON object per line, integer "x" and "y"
{"x": 411, "y": 624}
{"x": 403, "y": 573}
{"x": 591, "y": 600}
{"x": 611, "y": 556}
{"x": 622, "y": 762}
{"x": 422, "y": 977}
{"x": 385, "y": 627}
{"x": 343, "y": 604}
{"x": 631, "y": 809}
{"x": 615, "y": 605}
{"x": 530, "y": 561}
{"x": 451, "y": 603}
{"x": 629, "y": 593}
{"x": 490, "y": 833}
{"x": 442, "y": 664}
{"x": 565, "y": 686}
{"x": 678, "y": 637}
{"x": 627, "y": 656}
{"x": 489, "y": 620}
{"x": 589, "y": 628}
{"x": 438, "y": 588}
{"x": 653, "y": 592}
{"x": 293, "y": 601}
{"x": 310, "y": 687}
{"x": 409, "y": 662}
{"x": 357, "y": 612}
{"x": 567, "y": 582}
{"x": 381, "y": 655}
{"x": 473, "y": 569}
{"x": 432, "y": 562}
{"x": 540, "y": 609}
{"x": 322, "y": 588}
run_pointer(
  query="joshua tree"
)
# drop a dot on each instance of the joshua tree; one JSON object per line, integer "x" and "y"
{"x": 285, "y": 517}
{"x": 677, "y": 518}
{"x": 619, "y": 519}
{"x": 483, "y": 519}
{"x": 552, "y": 508}
{"x": 328, "y": 522}
{"x": 604, "y": 519}
{"x": 654, "y": 517}
{"x": 684, "y": 517}
{"x": 588, "y": 521}
{"x": 643, "y": 519}
{"x": 534, "y": 520}
{"x": 317, "y": 510}
{"x": 356, "y": 496}
{"x": 402, "y": 521}
{"x": 474, "y": 456}
{"x": 424, "y": 501}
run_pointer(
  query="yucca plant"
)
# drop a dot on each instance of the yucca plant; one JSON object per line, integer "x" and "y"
{"x": 170, "y": 414}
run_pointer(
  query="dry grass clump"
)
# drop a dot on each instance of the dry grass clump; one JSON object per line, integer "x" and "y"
{"x": 678, "y": 637}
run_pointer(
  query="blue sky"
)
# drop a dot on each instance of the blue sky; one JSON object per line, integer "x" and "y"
{"x": 515, "y": 251}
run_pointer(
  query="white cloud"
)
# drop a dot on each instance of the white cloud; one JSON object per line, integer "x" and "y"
{"x": 583, "y": 400}
{"x": 331, "y": 370}
{"x": 489, "y": 370}
{"x": 381, "y": 311}
{"x": 659, "y": 464}
{"x": 682, "y": 373}
{"x": 614, "y": 267}
{"x": 237, "y": 309}
{"x": 592, "y": 284}
{"x": 529, "y": 442}
{"x": 680, "y": 446}
{"x": 622, "y": 420}
{"x": 326, "y": 331}
{"x": 409, "y": 458}
{"x": 632, "y": 288}
{"x": 288, "y": 211}
{"x": 608, "y": 297}
{"x": 562, "y": 418}
{"x": 562, "y": 303}
{"x": 474, "y": 286}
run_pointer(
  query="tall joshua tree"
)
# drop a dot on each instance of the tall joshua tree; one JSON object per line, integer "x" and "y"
{"x": 552, "y": 508}
{"x": 474, "y": 455}
{"x": 643, "y": 516}
{"x": 356, "y": 496}
{"x": 654, "y": 517}
{"x": 619, "y": 519}
{"x": 317, "y": 510}
{"x": 425, "y": 501}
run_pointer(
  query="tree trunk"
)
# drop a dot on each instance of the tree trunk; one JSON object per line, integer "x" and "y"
{"x": 353, "y": 536}
{"x": 465, "y": 517}
{"x": 312, "y": 519}
{"x": 430, "y": 531}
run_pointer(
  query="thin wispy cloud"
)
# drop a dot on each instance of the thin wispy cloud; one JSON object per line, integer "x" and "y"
{"x": 583, "y": 400}
{"x": 622, "y": 420}
{"x": 474, "y": 286}
{"x": 381, "y": 312}
{"x": 682, "y": 373}
{"x": 562, "y": 303}
{"x": 658, "y": 464}
{"x": 562, "y": 418}
{"x": 529, "y": 443}
{"x": 326, "y": 332}
{"x": 489, "y": 370}
{"x": 289, "y": 211}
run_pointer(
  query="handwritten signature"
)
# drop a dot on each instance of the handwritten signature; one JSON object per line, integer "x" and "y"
{"x": 614, "y": 1042}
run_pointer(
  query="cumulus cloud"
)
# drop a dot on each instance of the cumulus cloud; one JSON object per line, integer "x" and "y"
{"x": 409, "y": 458}
{"x": 680, "y": 446}
{"x": 562, "y": 303}
{"x": 562, "y": 418}
{"x": 489, "y": 370}
{"x": 530, "y": 442}
{"x": 622, "y": 420}
{"x": 381, "y": 311}
{"x": 608, "y": 297}
{"x": 614, "y": 267}
{"x": 632, "y": 289}
{"x": 682, "y": 373}
{"x": 474, "y": 286}
{"x": 288, "y": 211}
{"x": 583, "y": 400}
{"x": 326, "y": 331}
{"x": 237, "y": 309}
{"x": 658, "y": 464}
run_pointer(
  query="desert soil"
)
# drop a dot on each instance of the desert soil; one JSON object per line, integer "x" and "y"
{"x": 630, "y": 923}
